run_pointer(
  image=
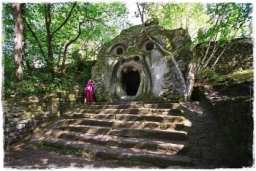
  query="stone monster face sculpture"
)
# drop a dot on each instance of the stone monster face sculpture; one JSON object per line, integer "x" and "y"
{"x": 132, "y": 67}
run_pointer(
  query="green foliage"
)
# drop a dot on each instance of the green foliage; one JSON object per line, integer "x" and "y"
{"x": 227, "y": 21}
{"x": 28, "y": 88}
{"x": 191, "y": 16}
{"x": 207, "y": 75}
{"x": 206, "y": 23}
{"x": 99, "y": 23}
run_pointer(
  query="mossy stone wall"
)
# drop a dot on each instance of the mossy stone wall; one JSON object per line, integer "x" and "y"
{"x": 237, "y": 56}
{"x": 22, "y": 118}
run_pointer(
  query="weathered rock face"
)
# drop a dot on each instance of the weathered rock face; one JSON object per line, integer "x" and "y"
{"x": 132, "y": 67}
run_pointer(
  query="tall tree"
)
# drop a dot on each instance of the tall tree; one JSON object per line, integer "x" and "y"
{"x": 53, "y": 35}
{"x": 50, "y": 35}
{"x": 18, "y": 28}
{"x": 59, "y": 28}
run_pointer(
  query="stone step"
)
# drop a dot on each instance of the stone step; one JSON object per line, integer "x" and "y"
{"x": 129, "y": 102}
{"x": 127, "y": 117}
{"x": 134, "y": 105}
{"x": 173, "y": 112}
{"x": 127, "y": 132}
{"x": 128, "y": 124}
{"x": 161, "y": 159}
{"x": 172, "y": 147}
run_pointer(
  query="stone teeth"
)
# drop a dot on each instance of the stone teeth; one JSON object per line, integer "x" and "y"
{"x": 125, "y": 70}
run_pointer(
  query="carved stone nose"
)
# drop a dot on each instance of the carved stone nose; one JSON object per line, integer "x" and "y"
{"x": 133, "y": 58}
{"x": 131, "y": 50}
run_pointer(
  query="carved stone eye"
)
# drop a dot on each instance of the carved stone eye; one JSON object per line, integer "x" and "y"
{"x": 149, "y": 46}
{"x": 119, "y": 50}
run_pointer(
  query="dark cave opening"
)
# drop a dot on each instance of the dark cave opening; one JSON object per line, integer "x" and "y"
{"x": 130, "y": 81}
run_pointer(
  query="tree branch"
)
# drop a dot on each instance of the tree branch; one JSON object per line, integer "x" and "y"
{"x": 141, "y": 15}
{"x": 219, "y": 57}
{"x": 68, "y": 44}
{"x": 154, "y": 40}
{"x": 66, "y": 20}
{"x": 202, "y": 62}
{"x": 35, "y": 36}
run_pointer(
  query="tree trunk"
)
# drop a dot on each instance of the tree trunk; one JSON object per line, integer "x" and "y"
{"x": 18, "y": 28}
{"x": 50, "y": 35}
{"x": 48, "y": 21}
{"x": 63, "y": 66}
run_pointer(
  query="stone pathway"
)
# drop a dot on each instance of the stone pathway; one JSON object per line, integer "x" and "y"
{"x": 209, "y": 148}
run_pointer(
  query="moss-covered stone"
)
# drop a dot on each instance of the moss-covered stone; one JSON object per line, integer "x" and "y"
{"x": 132, "y": 67}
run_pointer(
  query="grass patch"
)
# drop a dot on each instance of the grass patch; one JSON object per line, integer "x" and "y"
{"x": 238, "y": 76}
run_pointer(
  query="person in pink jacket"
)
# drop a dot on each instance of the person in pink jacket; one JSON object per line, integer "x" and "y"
{"x": 89, "y": 91}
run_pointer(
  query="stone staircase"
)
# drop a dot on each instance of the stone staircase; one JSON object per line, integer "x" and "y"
{"x": 134, "y": 131}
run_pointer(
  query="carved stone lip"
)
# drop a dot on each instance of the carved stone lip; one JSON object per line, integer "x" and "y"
{"x": 128, "y": 66}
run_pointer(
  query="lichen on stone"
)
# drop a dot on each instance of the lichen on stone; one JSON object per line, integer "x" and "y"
{"x": 132, "y": 67}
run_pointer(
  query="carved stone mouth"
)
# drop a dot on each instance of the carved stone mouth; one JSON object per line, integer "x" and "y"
{"x": 130, "y": 80}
